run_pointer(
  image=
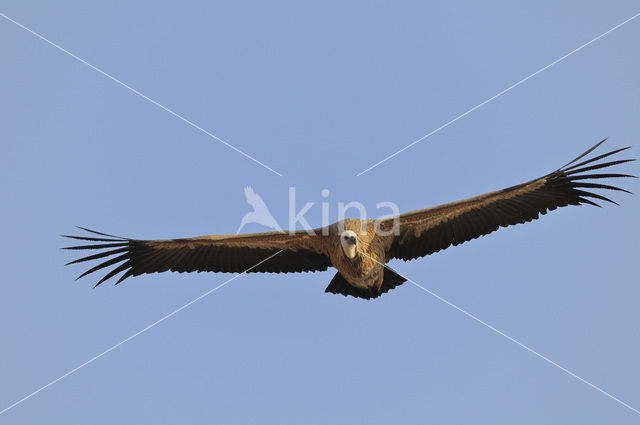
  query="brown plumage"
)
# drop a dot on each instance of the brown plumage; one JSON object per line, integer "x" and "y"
{"x": 370, "y": 243}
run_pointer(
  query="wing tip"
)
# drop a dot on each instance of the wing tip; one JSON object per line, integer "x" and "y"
{"x": 109, "y": 248}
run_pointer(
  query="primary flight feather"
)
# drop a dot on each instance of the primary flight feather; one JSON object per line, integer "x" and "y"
{"x": 358, "y": 249}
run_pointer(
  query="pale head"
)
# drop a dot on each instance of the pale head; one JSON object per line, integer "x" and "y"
{"x": 349, "y": 242}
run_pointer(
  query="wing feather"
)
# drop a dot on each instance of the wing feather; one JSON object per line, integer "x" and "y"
{"x": 298, "y": 252}
{"x": 426, "y": 231}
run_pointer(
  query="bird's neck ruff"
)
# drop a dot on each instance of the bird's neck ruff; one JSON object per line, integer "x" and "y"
{"x": 350, "y": 251}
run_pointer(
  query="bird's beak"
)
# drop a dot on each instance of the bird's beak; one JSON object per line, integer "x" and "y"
{"x": 352, "y": 240}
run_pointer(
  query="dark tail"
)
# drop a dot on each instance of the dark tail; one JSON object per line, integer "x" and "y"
{"x": 339, "y": 285}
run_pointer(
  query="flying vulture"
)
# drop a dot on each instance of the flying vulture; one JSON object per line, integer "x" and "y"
{"x": 358, "y": 249}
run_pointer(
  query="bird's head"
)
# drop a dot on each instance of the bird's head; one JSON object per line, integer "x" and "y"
{"x": 349, "y": 242}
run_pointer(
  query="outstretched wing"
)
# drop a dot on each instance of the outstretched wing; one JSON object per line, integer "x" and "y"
{"x": 429, "y": 230}
{"x": 271, "y": 252}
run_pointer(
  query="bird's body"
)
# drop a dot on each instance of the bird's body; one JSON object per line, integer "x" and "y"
{"x": 365, "y": 270}
{"x": 359, "y": 250}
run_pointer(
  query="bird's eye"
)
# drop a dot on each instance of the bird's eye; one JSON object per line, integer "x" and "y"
{"x": 345, "y": 237}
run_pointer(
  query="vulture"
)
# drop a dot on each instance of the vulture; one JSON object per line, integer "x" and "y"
{"x": 358, "y": 249}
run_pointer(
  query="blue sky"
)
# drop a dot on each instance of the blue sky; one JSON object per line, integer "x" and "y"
{"x": 318, "y": 92}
